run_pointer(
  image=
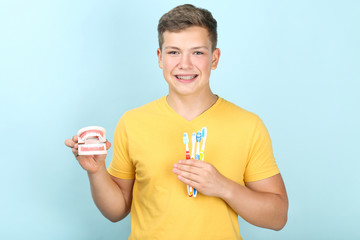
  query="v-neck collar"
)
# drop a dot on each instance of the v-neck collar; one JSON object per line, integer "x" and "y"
{"x": 196, "y": 119}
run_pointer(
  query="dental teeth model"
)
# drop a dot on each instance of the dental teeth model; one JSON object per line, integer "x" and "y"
{"x": 92, "y": 140}
{"x": 195, "y": 141}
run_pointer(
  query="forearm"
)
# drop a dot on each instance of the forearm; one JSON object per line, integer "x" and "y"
{"x": 262, "y": 203}
{"x": 263, "y": 209}
{"x": 107, "y": 195}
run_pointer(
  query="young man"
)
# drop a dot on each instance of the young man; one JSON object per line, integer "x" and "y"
{"x": 148, "y": 176}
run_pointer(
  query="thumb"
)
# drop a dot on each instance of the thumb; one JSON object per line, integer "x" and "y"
{"x": 108, "y": 145}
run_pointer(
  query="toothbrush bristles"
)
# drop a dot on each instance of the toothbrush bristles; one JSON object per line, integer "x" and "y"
{"x": 204, "y": 132}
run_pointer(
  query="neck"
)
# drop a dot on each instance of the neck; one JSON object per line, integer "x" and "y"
{"x": 191, "y": 106}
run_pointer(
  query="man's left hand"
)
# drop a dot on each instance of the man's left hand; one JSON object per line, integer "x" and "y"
{"x": 202, "y": 176}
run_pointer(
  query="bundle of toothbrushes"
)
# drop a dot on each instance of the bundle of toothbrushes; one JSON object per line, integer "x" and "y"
{"x": 196, "y": 139}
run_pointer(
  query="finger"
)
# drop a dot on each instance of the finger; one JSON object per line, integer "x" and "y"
{"x": 191, "y": 182}
{"x": 69, "y": 143}
{"x": 108, "y": 145}
{"x": 195, "y": 166}
{"x": 182, "y": 169}
{"x": 75, "y": 152}
{"x": 191, "y": 162}
{"x": 75, "y": 138}
{"x": 186, "y": 174}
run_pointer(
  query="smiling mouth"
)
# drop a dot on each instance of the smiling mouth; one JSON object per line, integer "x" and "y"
{"x": 186, "y": 77}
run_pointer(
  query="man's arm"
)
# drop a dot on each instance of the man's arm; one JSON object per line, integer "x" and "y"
{"x": 111, "y": 195}
{"x": 263, "y": 203}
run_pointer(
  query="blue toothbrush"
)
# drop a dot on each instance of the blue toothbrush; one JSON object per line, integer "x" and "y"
{"x": 197, "y": 156}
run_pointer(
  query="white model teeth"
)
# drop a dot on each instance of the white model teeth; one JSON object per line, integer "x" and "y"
{"x": 93, "y": 134}
{"x": 186, "y": 77}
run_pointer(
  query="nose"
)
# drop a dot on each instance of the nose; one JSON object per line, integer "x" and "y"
{"x": 185, "y": 62}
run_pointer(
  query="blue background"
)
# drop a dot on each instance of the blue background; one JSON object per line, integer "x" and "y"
{"x": 69, "y": 64}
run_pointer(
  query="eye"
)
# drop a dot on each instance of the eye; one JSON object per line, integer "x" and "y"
{"x": 198, "y": 53}
{"x": 173, "y": 52}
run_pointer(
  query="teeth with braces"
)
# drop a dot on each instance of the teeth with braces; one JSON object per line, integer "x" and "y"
{"x": 92, "y": 140}
{"x": 186, "y": 77}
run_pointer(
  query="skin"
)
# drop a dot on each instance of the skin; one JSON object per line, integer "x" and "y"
{"x": 184, "y": 54}
{"x": 188, "y": 53}
{"x": 262, "y": 203}
{"x": 111, "y": 195}
{"x": 187, "y": 60}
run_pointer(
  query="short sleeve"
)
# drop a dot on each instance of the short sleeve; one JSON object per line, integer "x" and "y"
{"x": 121, "y": 165}
{"x": 261, "y": 162}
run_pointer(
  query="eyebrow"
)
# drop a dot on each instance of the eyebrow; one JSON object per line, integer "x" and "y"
{"x": 194, "y": 48}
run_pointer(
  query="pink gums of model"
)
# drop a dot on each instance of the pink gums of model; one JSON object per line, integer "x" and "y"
{"x": 92, "y": 140}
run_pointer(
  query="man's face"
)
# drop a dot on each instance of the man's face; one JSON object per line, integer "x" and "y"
{"x": 187, "y": 59}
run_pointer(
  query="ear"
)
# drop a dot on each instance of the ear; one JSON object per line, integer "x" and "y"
{"x": 159, "y": 54}
{"x": 215, "y": 58}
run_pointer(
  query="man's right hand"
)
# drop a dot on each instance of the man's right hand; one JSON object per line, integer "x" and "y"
{"x": 91, "y": 163}
{"x": 113, "y": 196}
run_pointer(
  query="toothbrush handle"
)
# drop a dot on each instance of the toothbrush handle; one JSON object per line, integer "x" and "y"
{"x": 189, "y": 189}
{"x": 202, "y": 155}
{"x": 199, "y": 157}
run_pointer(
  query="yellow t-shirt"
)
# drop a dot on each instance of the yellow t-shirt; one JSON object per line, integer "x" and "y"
{"x": 149, "y": 140}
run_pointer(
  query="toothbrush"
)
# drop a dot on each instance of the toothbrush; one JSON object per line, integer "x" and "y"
{"x": 186, "y": 142}
{"x": 203, "y": 135}
{"x": 197, "y": 156}
{"x": 193, "y": 142}
{"x": 198, "y": 139}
